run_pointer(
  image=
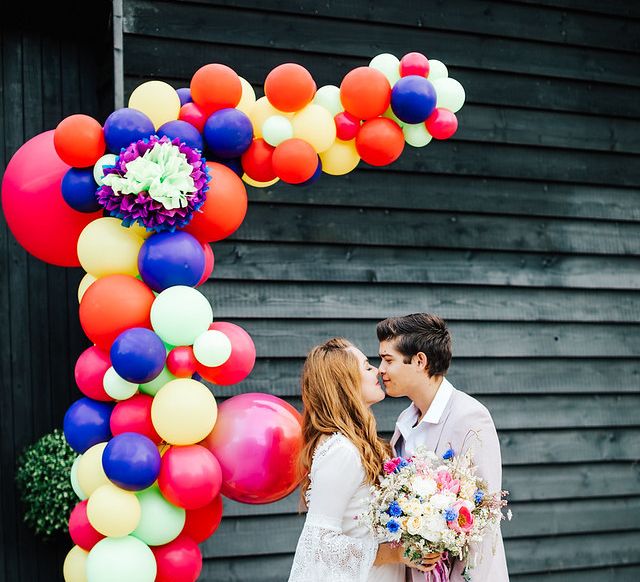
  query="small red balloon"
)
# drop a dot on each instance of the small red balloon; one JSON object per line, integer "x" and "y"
{"x": 201, "y": 523}
{"x": 134, "y": 415}
{"x": 289, "y": 87}
{"x": 79, "y": 141}
{"x": 365, "y": 93}
{"x": 380, "y": 141}
{"x": 81, "y": 531}
{"x": 257, "y": 161}
{"x": 193, "y": 114}
{"x": 178, "y": 561}
{"x": 414, "y": 64}
{"x": 209, "y": 261}
{"x": 295, "y": 161}
{"x": 442, "y": 123}
{"x": 91, "y": 366}
{"x": 215, "y": 87}
{"x": 347, "y": 126}
{"x": 181, "y": 362}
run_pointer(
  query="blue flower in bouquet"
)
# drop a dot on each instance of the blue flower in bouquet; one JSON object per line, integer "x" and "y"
{"x": 478, "y": 497}
{"x": 393, "y": 526}
{"x": 450, "y": 514}
{"x": 402, "y": 464}
{"x": 449, "y": 454}
{"x": 394, "y": 509}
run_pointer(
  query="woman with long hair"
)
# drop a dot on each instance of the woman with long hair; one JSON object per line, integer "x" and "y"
{"x": 341, "y": 459}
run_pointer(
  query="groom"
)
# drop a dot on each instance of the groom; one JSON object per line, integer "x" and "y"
{"x": 416, "y": 352}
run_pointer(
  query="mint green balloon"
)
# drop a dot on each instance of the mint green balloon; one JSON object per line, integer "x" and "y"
{"x": 125, "y": 559}
{"x": 75, "y": 484}
{"x": 180, "y": 314}
{"x": 161, "y": 521}
{"x": 388, "y": 65}
{"x": 152, "y": 388}
{"x": 391, "y": 115}
{"x": 117, "y": 387}
{"x": 416, "y": 135}
{"x": 276, "y": 129}
{"x": 328, "y": 97}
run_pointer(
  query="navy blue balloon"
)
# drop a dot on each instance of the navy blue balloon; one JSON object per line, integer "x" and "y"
{"x": 131, "y": 461}
{"x": 138, "y": 355}
{"x": 86, "y": 423}
{"x": 171, "y": 258}
{"x": 228, "y": 133}
{"x": 234, "y": 164}
{"x": 79, "y": 190}
{"x": 124, "y": 126}
{"x": 185, "y": 95}
{"x": 183, "y": 131}
{"x": 413, "y": 99}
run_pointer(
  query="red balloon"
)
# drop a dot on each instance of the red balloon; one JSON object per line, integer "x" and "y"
{"x": 190, "y": 476}
{"x": 134, "y": 415}
{"x": 193, "y": 114}
{"x": 201, "y": 524}
{"x": 365, "y": 93}
{"x": 91, "y": 366}
{"x": 225, "y": 207}
{"x": 289, "y": 87}
{"x": 178, "y": 561}
{"x": 79, "y": 141}
{"x": 257, "y": 161}
{"x": 257, "y": 440}
{"x": 181, "y": 362}
{"x": 442, "y": 123}
{"x": 241, "y": 360}
{"x": 209, "y": 261}
{"x": 112, "y": 304}
{"x": 215, "y": 87}
{"x": 295, "y": 161}
{"x": 42, "y": 222}
{"x": 81, "y": 531}
{"x": 380, "y": 141}
{"x": 347, "y": 126}
{"x": 414, "y": 64}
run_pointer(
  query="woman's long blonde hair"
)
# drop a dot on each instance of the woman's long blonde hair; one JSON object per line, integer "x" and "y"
{"x": 332, "y": 400}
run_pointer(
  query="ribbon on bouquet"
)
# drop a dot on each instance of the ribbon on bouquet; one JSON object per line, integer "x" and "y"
{"x": 441, "y": 572}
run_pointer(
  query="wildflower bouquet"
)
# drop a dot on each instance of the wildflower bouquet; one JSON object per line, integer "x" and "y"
{"x": 432, "y": 504}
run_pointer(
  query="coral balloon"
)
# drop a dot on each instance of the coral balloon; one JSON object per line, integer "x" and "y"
{"x": 257, "y": 161}
{"x": 289, "y": 87}
{"x": 266, "y": 433}
{"x": 134, "y": 415}
{"x": 39, "y": 218}
{"x": 216, "y": 86}
{"x": 201, "y": 523}
{"x": 81, "y": 531}
{"x": 225, "y": 206}
{"x": 79, "y": 141}
{"x": 194, "y": 115}
{"x": 294, "y": 161}
{"x": 178, "y": 561}
{"x": 91, "y": 366}
{"x": 365, "y": 93}
{"x": 442, "y": 124}
{"x": 380, "y": 141}
{"x": 181, "y": 362}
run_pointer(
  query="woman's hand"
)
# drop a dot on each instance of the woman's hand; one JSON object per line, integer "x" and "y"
{"x": 426, "y": 564}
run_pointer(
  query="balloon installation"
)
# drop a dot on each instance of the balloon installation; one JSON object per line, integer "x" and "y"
{"x": 136, "y": 203}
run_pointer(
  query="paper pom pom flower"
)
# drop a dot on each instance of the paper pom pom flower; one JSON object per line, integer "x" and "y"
{"x": 155, "y": 182}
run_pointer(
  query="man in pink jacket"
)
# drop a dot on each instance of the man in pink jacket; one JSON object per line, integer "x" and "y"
{"x": 416, "y": 352}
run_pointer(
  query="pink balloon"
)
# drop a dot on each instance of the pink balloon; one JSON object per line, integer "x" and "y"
{"x": 134, "y": 415}
{"x": 181, "y": 362}
{"x": 91, "y": 366}
{"x": 347, "y": 126}
{"x": 257, "y": 440}
{"x": 442, "y": 123}
{"x": 42, "y": 222}
{"x": 81, "y": 531}
{"x": 414, "y": 64}
{"x": 209, "y": 261}
{"x": 241, "y": 361}
{"x": 178, "y": 561}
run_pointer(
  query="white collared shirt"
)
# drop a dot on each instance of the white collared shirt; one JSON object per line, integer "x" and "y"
{"x": 413, "y": 436}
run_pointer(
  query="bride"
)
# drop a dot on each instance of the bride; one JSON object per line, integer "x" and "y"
{"x": 341, "y": 458}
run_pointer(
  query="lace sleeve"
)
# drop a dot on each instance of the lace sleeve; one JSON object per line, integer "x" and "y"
{"x": 324, "y": 553}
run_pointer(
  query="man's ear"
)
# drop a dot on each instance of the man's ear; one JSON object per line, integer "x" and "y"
{"x": 421, "y": 360}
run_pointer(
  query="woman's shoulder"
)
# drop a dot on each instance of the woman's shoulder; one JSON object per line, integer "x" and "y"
{"x": 332, "y": 445}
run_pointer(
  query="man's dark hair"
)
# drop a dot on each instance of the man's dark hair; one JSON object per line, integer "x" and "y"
{"x": 419, "y": 332}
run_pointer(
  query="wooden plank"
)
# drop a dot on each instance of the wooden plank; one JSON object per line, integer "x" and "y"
{"x": 274, "y": 568}
{"x": 617, "y": 573}
{"x": 627, "y": 9}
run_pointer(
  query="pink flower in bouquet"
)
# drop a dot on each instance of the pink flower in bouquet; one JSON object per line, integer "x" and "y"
{"x": 464, "y": 521}
{"x": 391, "y": 465}
{"x": 447, "y": 483}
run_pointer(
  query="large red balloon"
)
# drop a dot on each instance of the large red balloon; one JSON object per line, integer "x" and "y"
{"x": 201, "y": 523}
{"x": 240, "y": 362}
{"x": 42, "y": 222}
{"x": 134, "y": 415}
{"x": 178, "y": 561}
{"x": 257, "y": 440}
{"x": 294, "y": 161}
{"x": 91, "y": 366}
{"x": 380, "y": 141}
{"x": 81, "y": 531}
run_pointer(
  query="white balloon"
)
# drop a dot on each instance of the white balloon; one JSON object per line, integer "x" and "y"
{"x": 117, "y": 387}
{"x": 437, "y": 70}
{"x": 328, "y": 97}
{"x": 450, "y": 94}
{"x": 212, "y": 348}
{"x": 388, "y": 65}
{"x": 106, "y": 160}
{"x": 416, "y": 135}
{"x": 277, "y": 129}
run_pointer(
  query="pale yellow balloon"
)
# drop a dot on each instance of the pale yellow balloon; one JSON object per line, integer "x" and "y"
{"x": 158, "y": 100}
{"x": 257, "y": 184}
{"x": 141, "y": 231}
{"x": 91, "y": 475}
{"x": 340, "y": 158}
{"x": 184, "y": 411}
{"x": 105, "y": 247}
{"x": 114, "y": 512}
{"x": 86, "y": 282}
{"x": 315, "y": 125}
{"x": 260, "y": 111}
{"x": 248, "y": 97}
{"x": 75, "y": 565}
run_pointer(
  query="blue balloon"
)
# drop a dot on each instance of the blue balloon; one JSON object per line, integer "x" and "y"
{"x": 124, "y": 126}
{"x": 413, "y": 98}
{"x": 131, "y": 461}
{"x": 86, "y": 423}
{"x": 234, "y": 164}
{"x": 79, "y": 190}
{"x": 138, "y": 355}
{"x": 183, "y": 131}
{"x": 185, "y": 95}
{"x": 171, "y": 258}
{"x": 228, "y": 133}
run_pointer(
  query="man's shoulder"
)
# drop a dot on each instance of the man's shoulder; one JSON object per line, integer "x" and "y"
{"x": 465, "y": 406}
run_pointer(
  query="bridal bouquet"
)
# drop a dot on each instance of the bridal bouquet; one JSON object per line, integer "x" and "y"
{"x": 433, "y": 504}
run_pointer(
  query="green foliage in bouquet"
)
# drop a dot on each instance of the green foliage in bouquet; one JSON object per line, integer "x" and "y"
{"x": 44, "y": 484}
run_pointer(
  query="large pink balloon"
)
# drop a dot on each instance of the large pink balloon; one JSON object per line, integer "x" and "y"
{"x": 32, "y": 202}
{"x": 257, "y": 440}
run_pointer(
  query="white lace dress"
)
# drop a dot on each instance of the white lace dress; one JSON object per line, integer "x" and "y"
{"x": 333, "y": 545}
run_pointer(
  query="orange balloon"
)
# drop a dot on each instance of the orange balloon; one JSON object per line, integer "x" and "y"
{"x": 79, "y": 141}
{"x": 215, "y": 87}
{"x": 294, "y": 161}
{"x": 112, "y": 304}
{"x": 380, "y": 141}
{"x": 224, "y": 209}
{"x": 256, "y": 161}
{"x": 365, "y": 93}
{"x": 289, "y": 87}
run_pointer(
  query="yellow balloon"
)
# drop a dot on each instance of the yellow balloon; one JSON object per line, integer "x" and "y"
{"x": 141, "y": 231}
{"x": 253, "y": 182}
{"x": 85, "y": 284}
{"x": 340, "y": 158}
{"x": 114, "y": 512}
{"x": 315, "y": 125}
{"x": 75, "y": 565}
{"x": 105, "y": 247}
{"x": 260, "y": 111}
{"x": 184, "y": 411}
{"x": 156, "y": 99}
{"x": 91, "y": 475}
{"x": 248, "y": 97}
